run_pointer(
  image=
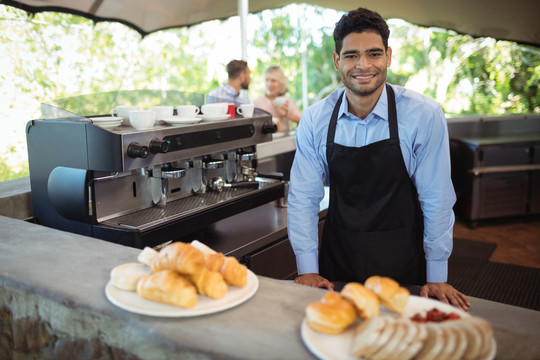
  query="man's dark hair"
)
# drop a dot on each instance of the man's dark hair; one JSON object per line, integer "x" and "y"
{"x": 357, "y": 21}
{"x": 235, "y": 68}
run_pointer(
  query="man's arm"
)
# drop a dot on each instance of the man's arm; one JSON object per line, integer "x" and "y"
{"x": 432, "y": 178}
{"x": 305, "y": 194}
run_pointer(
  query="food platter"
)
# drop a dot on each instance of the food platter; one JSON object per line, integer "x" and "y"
{"x": 132, "y": 302}
{"x": 337, "y": 347}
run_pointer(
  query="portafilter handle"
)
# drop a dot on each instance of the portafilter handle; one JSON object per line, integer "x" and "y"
{"x": 219, "y": 184}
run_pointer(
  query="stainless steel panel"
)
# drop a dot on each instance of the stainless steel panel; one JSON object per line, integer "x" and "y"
{"x": 122, "y": 195}
{"x": 159, "y": 215}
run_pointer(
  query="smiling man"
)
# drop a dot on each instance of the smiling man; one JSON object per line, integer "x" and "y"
{"x": 384, "y": 152}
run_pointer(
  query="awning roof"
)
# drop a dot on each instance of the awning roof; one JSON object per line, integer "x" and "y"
{"x": 517, "y": 20}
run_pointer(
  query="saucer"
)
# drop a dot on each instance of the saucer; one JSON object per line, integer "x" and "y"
{"x": 106, "y": 119}
{"x": 175, "y": 120}
{"x": 215, "y": 117}
{"x": 109, "y": 126}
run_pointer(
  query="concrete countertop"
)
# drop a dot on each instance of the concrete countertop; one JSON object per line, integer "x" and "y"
{"x": 71, "y": 271}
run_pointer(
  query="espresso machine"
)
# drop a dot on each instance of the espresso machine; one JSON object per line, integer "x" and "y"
{"x": 145, "y": 187}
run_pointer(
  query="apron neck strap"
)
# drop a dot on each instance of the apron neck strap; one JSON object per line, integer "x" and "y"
{"x": 333, "y": 124}
{"x": 392, "y": 113}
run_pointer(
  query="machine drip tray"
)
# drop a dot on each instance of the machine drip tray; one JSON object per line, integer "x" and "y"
{"x": 189, "y": 214}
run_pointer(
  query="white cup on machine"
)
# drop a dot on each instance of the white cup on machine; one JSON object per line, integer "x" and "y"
{"x": 187, "y": 111}
{"x": 142, "y": 119}
{"x": 215, "y": 109}
{"x": 163, "y": 112}
{"x": 123, "y": 112}
{"x": 246, "y": 110}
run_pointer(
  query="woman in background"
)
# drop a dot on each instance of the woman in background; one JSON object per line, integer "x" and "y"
{"x": 275, "y": 101}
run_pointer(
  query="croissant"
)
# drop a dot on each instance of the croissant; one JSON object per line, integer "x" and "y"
{"x": 209, "y": 283}
{"x": 168, "y": 287}
{"x": 180, "y": 257}
{"x": 215, "y": 261}
{"x": 233, "y": 272}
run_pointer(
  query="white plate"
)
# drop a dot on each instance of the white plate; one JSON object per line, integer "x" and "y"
{"x": 105, "y": 119}
{"x": 175, "y": 120}
{"x": 132, "y": 302}
{"x": 108, "y": 126}
{"x": 337, "y": 347}
{"x": 215, "y": 117}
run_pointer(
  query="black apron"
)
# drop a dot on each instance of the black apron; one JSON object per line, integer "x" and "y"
{"x": 374, "y": 224}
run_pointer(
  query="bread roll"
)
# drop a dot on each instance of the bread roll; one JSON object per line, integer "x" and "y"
{"x": 365, "y": 301}
{"x": 209, "y": 283}
{"x": 391, "y": 295}
{"x": 383, "y": 287}
{"x": 180, "y": 257}
{"x": 398, "y": 301}
{"x": 205, "y": 249}
{"x": 126, "y": 276}
{"x": 331, "y": 315}
{"x": 147, "y": 255}
{"x": 169, "y": 287}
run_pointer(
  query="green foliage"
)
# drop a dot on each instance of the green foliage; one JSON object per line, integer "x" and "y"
{"x": 9, "y": 172}
{"x": 53, "y": 56}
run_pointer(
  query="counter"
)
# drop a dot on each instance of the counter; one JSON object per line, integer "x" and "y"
{"x": 53, "y": 305}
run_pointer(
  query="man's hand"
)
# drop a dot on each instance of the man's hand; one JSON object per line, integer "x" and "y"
{"x": 447, "y": 294}
{"x": 314, "y": 280}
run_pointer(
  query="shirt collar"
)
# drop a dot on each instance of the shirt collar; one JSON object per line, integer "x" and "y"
{"x": 380, "y": 110}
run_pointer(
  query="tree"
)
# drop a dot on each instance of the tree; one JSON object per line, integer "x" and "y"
{"x": 52, "y": 56}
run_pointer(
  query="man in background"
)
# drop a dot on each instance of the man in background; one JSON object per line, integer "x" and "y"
{"x": 239, "y": 79}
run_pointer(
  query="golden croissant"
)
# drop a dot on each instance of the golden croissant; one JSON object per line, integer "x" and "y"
{"x": 209, "y": 283}
{"x": 180, "y": 257}
{"x": 233, "y": 272}
{"x": 168, "y": 287}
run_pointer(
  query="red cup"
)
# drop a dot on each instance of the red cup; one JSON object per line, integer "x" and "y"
{"x": 231, "y": 111}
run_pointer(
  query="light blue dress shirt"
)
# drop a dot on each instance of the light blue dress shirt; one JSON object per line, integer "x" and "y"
{"x": 225, "y": 93}
{"x": 424, "y": 143}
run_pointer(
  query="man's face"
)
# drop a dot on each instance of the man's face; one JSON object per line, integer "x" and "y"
{"x": 246, "y": 79}
{"x": 362, "y": 62}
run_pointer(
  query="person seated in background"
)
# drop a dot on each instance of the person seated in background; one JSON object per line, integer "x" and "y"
{"x": 275, "y": 101}
{"x": 239, "y": 79}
